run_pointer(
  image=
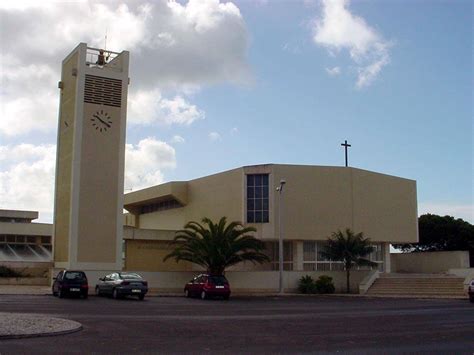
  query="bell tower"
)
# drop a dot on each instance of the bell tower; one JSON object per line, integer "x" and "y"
{"x": 90, "y": 158}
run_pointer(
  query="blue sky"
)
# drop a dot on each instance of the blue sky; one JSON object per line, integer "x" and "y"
{"x": 281, "y": 82}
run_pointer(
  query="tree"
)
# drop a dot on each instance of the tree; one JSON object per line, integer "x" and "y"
{"x": 216, "y": 246}
{"x": 352, "y": 249}
{"x": 437, "y": 233}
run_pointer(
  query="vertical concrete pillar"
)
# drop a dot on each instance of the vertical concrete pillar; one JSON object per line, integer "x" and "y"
{"x": 387, "y": 263}
{"x": 298, "y": 256}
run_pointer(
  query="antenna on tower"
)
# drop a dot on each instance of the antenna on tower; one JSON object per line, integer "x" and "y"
{"x": 105, "y": 47}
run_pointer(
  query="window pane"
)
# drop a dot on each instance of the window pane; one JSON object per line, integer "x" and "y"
{"x": 265, "y": 180}
{"x": 265, "y": 205}
{"x": 309, "y": 251}
{"x": 258, "y": 180}
{"x": 309, "y": 267}
{"x": 250, "y": 180}
{"x": 250, "y": 205}
{"x": 250, "y": 192}
{"x": 258, "y": 192}
{"x": 250, "y": 217}
{"x": 265, "y": 191}
{"x": 258, "y": 205}
{"x": 258, "y": 217}
{"x": 265, "y": 217}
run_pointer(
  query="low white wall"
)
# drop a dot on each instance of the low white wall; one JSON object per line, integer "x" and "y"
{"x": 240, "y": 281}
{"x": 429, "y": 262}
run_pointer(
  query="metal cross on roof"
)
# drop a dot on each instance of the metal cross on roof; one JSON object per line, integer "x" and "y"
{"x": 345, "y": 148}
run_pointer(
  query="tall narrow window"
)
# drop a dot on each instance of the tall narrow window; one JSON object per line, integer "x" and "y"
{"x": 257, "y": 198}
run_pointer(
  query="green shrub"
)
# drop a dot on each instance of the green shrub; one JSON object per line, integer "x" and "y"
{"x": 324, "y": 284}
{"x": 306, "y": 285}
{"x": 7, "y": 272}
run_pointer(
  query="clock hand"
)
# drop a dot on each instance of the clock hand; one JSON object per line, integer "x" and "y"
{"x": 101, "y": 120}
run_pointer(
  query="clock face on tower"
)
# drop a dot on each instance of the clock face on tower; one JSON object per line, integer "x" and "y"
{"x": 101, "y": 120}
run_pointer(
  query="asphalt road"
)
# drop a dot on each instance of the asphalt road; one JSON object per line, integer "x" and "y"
{"x": 250, "y": 325}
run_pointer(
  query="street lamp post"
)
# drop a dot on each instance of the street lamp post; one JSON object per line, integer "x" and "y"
{"x": 280, "y": 236}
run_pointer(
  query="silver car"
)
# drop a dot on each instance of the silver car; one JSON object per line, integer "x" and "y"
{"x": 120, "y": 284}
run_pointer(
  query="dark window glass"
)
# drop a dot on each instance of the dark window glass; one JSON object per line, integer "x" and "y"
{"x": 250, "y": 192}
{"x": 257, "y": 198}
{"x": 73, "y": 275}
{"x": 251, "y": 204}
{"x": 250, "y": 180}
{"x": 218, "y": 280}
{"x": 250, "y": 217}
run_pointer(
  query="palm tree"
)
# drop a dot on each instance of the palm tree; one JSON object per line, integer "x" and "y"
{"x": 216, "y": 246}
{"x": 352, "y": 249}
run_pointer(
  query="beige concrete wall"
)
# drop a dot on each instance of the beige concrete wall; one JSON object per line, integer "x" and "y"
{"x": 63, "y": 189}
{"x": 429, "y": 262}
{"x": 98, "y": 187}
{"x": 215, "y": 196}
{"x": 172, "y": 219}
{"x": 148, "y": 255}
{"x": 321, "y": 200}
{"x": 38, "y": 229}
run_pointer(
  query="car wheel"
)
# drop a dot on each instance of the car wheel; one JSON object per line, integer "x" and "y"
{"x": 141, "y": 297}
{"x": 115, "y": 294}
{"x": 203, "y": 295}
{"x": 186, "y": 293}
{"x": 61, "y": 294}
{"x": 97, "y": 291}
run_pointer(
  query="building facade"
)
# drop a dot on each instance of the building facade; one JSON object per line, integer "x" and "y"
{"x": 24, "y": 241}
{"x": 316, "y": 201}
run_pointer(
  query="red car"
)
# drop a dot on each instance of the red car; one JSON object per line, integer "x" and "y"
{"x": 206, "y": 286}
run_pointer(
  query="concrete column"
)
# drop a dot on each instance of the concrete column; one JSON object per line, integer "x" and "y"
{"x": 387, "y": 264}
{"x": 298, "y": 256}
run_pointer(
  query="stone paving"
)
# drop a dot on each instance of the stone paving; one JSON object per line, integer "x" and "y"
{"x": 23, "y": 325}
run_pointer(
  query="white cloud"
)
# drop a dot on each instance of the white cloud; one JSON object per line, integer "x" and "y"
{"x": 214, "y": 136}
{"x": 234, "y": 131}
{"x": 145, "y": 162}
{"x": 149, "y": 107}
{"x": 338, "y": 29}
{"x": 177, "y": 139}
{"x": 464, "y": 211}
{"x": 27, "y": 178}
{"x": 333, "y": 71}
{"x": 174, "y": 47}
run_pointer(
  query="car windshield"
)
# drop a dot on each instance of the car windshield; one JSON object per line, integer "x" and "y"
{"x": 73, "y": 275}
{"x": 130, "y": 276}
{"x": 218, "y": 280}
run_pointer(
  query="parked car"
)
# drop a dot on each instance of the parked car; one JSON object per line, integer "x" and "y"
{"x": 206, "y": 286}
{"x": 70, "y": 282}
{"x": 119, "y": 284}
{"x": 471, "y": 291}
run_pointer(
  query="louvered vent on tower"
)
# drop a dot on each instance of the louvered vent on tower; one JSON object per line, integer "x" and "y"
{"x": 103, "y": 91}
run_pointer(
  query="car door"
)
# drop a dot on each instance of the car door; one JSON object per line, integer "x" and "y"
{"x": 195, "y": 285}
{"x": 108, "y": 284}
{"x": 56, "y": 282}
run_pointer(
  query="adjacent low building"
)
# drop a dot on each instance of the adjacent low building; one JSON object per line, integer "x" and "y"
{"x": 316, "y": 201}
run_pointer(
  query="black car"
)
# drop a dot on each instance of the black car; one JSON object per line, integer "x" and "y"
{"x": 70, "y": 282}
{"x": 119, "y": 284}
